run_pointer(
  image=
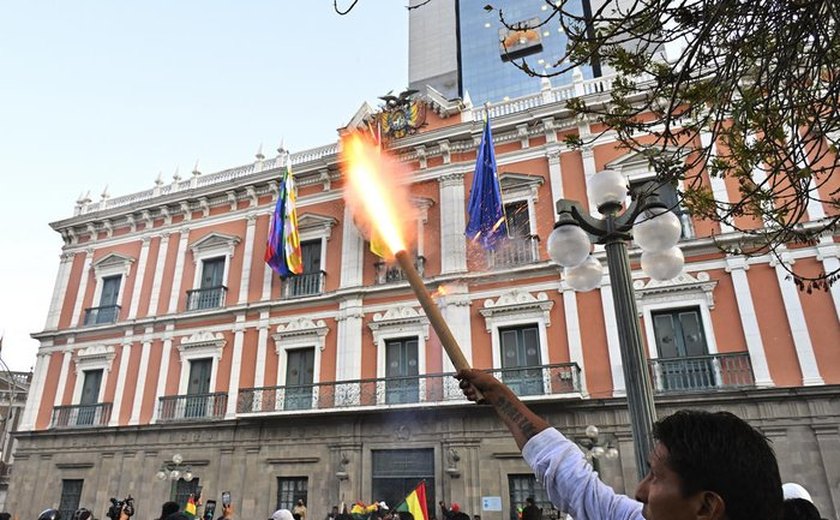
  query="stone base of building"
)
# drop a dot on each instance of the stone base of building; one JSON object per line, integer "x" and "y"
{"x": 462, "y": 451}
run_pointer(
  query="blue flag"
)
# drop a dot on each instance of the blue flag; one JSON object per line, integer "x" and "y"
{"x": 486, "y": 223}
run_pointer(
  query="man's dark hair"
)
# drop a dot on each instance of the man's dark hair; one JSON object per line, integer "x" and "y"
{"x": 167, "y": 509}
{"x": 5, "y": 516}
{"x": 721, "y": 453}
{"x": 800, "y": 509}
{"x": 529, "y": 500}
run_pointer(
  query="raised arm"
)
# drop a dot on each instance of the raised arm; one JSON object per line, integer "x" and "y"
{"x": 520, "y": 420}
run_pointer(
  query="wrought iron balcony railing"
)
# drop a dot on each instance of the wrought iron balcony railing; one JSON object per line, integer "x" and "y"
{"x": 206, "y": 298}
{"x": 701, "y": 373}
{"x": 545, "y": 380}
{"x": 512, "y": 252}
{"x": 389, "y": 273}
{"x": 81, "y": 416}
{"x": 192, "y": 407}
{"x": 306, "y": 284}
{"x": 102, "y": 315}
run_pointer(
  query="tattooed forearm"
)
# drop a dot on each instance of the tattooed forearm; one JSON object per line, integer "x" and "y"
{"x": 522, "y": 426}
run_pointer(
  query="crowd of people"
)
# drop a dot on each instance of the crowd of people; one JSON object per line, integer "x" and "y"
{"x": 703, "y": 466}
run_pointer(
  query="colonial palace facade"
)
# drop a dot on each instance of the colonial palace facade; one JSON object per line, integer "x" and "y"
{"x": 167, "y": 333}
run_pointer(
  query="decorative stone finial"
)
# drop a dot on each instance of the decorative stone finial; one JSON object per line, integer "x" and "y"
{"x": 195, "y": 171}
{"x": 577, "y": 74}
{"x": 175, "y": 176}
{"x": 259, "y": 154}
{"x": 467, "y": 100}
{"x": 159, "y": 180}
{"x": 105, "y": 195}
{"x": 281, "y": 150}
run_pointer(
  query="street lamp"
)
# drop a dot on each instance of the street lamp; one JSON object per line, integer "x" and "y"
{"x": 656, "y": 230}
{"x": 175, "y": 469}
{"x": 595, "y": 449}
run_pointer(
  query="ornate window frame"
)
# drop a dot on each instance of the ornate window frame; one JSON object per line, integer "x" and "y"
{"x": 212, "y": 245}
{"x": 517, "y": 307}
{"x": 200, "y": 345}
{"x": 297, "y": 333}
{"x": 112, "y": 264}
{"x": 94, "y": 357}
{"x": 402, "y": 321}
{"x": 312, "y": 226}
{"x": 685, "y": 290}
{"x": 518, "y": 187}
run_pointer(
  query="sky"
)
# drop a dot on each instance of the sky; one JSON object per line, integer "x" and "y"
{"x": 97, "y": 93}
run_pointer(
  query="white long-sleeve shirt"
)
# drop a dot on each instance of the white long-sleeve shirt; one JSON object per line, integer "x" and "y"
{"x": 571, "y": 484}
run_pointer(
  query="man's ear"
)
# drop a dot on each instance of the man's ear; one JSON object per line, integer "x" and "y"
{"x": 710, "y": 506}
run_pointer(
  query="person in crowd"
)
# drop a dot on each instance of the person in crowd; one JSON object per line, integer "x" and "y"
{"x": 167, "y": 509}
{"x": 345, "y": 514}
{"x": 800, "y": 509}
{"x": 299, "y": 511}
{"x": 711, "y": 466}
{"x": 453, "y": 512}
{"x": 333, "y": 514}
{"x": 82, "y": 514}
{"x": 50, "y": 514}
{"x": 5, "y": 516}
{"x": 531, "y": 511}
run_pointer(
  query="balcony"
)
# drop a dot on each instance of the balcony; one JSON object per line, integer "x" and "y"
{"x": 192, "y": 407}
{"x": 514, "y": 252}
{"x": 306, "y": 284}
{"x": 206, "y": 298}
{"x": 546, "y": 380}
{"x": 102, "y": 315}
{"x": 81, "y": 416}
{"x": 390, "y": 273}
{"x": 701, "y": 373}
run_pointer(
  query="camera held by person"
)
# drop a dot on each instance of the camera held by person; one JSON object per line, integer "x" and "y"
{"x": 121, "y": 507}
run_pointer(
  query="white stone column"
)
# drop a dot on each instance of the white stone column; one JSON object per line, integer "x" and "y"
{"x": 587, "y": 155}
{"x": 179, "y": 270}
{"x": 613, "y": 346}
{"x": 798, "y": 326}
{"x": 268, "y": 276}
{"x": 718, "y": 184}
{"x": 352, "y": 253}
{"x": 455, "y": 307}
{"x": 737, "y": 267}
{"x": 262, "y": 350}
{"x": 828, "y": 253}
{"x": 36, "y": 390}
{"x": 349, "y": 332}
{"x": 83, "y": 281}
{"x": 160, "y": 265}
{"x": 555, "y": 175}
{"x": 65, "y": 266}
{"x": 570, "y": 310}
{"x": 139, "y": 278}
{"x": 62, "y": 375}
{"x": 142, "y": 376}
{"x": 116, "y": 407}
{"x": 247, "y": 258}
{"x": 453, "y": 242}
{"x": 235, "y": 366}
{"x": 164, "y": 370}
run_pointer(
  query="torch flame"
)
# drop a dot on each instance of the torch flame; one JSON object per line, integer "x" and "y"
{"x": 377, "y": 199}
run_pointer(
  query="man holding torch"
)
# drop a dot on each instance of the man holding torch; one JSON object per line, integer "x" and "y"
{"x": 710, "y": 466}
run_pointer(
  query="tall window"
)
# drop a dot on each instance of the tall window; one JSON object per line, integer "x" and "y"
{"x": 310, "y": 282}
{"x": 518, "y": 220}
{"x": 108, "y": 309}
{"x": 681, "y": 346}
{"x": 520, "y": 348}
{"x": 181, "y": 491}
{"x": 300, "y": 371}
{"x": 198, "y": 386}
{"x": 524, "y": 486}
{"x": 290, "y": 490}
{"x": 71, "y": 495}
{"x": 401, "y": 371}
{"x": 212, "y": 291}
{"x": 397, "y": 472}
{"x": 90, "y": 396}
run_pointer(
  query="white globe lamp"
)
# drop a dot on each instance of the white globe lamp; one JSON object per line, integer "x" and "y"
{"x": 586, "y": 276}
{"x": 608, "y": 188}
{"x": 656, "y": 230}
{"x": 568, "y": 245}
{"x": 663, "y": 265}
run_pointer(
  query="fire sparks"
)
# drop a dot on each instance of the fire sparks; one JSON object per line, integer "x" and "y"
{"x": 378, "y": 202}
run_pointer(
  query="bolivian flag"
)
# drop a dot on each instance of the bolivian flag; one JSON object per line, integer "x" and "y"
{"x": 189, "y": 509}
{"x": 415, "y": 503}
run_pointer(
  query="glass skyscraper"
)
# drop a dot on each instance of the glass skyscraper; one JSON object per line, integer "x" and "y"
{"x": 485, "y": 69}
{"x": 455, "y": 46}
